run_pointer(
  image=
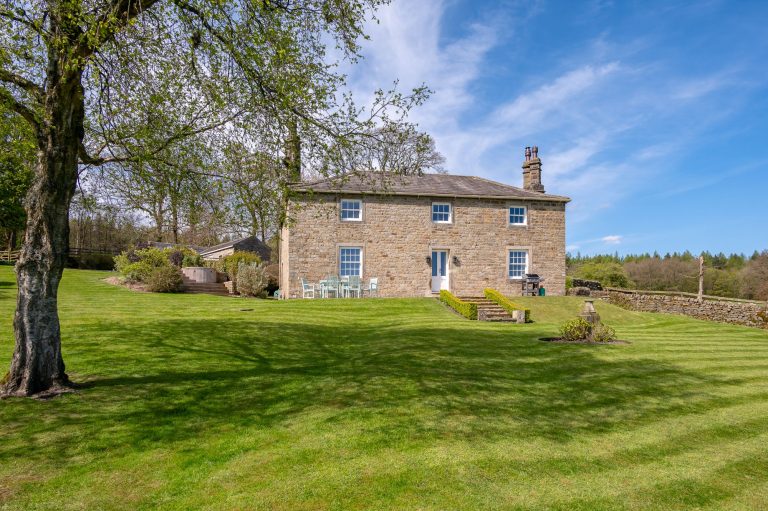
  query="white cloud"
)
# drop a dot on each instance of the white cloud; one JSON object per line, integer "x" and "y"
{"x": 613, "y": 239}
{"x": 534, "y": 107}
{"x": 406, "y": 45}
{"x": 581, "y": 113}
{"x": 698, "y": 87}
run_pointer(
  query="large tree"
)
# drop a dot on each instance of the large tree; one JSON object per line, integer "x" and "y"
{"x": 91, "y": 78}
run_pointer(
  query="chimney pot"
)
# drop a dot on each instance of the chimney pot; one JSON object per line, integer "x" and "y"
{"x": 532, "y": 170}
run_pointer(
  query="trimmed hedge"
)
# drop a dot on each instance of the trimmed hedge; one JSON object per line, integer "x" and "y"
{"x": 506, "y": 303}
{"x": 466, "y": 309}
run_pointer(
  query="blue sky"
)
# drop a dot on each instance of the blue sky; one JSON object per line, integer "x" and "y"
{"x": 652, "y": 116}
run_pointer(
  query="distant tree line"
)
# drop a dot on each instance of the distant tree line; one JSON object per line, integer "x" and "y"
{"x": 731, "y": 275}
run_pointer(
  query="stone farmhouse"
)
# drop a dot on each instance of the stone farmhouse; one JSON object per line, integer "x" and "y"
{"x": 420, "y": 234}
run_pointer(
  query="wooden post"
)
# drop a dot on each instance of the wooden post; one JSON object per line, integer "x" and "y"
{"x": 701, "y": 278}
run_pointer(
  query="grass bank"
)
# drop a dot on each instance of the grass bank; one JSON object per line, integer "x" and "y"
{"x": 192, "y": 402}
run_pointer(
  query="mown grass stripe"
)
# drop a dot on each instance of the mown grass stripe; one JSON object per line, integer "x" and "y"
{"x": 381, "y": 404}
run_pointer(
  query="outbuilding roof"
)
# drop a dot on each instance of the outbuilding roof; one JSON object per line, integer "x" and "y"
{"x": 425, "y": 185}
{"x": 249, "y": 243}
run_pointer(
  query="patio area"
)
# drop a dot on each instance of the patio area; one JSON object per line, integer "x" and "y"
{"x": 333, "y": 286}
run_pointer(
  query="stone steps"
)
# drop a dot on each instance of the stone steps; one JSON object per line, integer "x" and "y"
{"x": 208, "y": 288}
{"x": 488, "y": 310}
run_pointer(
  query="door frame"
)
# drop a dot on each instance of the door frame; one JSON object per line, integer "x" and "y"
{"x": 433, "y": 251}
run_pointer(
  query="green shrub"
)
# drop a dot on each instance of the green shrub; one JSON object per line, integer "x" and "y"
{"x": 183, "y": 256}
{"x": 252, "y": 279}
{"x": 505, "y": 303}
{"x": 176, "y": 257}
{"x": 121, "y": 261}
{"x": 603, "y": 333}
{"x": 229, "y": 264}
{"x": 568, "y": 283}
{"x": 137, "y": 272}
{"x": 609, "y": 274}
{"x": 192, "y": 260}
{"x": 466, "y": 309}
{"x": 577, "y": 329}
{"x": 136, "y": 266}
{"x": 164, "y": 279}
{"x": 153, "y": 256}
{"x": 273, "y": 274}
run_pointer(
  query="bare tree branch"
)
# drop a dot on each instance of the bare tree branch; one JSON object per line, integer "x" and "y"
{"x": 117, "y": 16}
{"x": 17, "y": 17}
{"x": 187, "y": 131}
{"x": 20, "y": 81}
{"x": 20, "y": 108}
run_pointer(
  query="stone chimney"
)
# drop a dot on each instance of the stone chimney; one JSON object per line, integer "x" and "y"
{"x": 532, "y": 170}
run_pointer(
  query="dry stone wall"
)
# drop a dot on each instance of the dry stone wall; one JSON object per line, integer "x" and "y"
{"x": 397, "y": 235}
{"x": 754, "y": 314}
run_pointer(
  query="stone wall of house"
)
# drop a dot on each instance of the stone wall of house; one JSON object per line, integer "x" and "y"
{"x": 397, "y": 235}
{"x": 754, "y": 314}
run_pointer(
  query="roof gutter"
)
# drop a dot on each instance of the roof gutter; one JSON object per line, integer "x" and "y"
{"x": 542, "y": 198}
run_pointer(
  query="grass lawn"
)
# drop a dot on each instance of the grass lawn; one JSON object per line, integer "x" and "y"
{"x": 209, "y": 402}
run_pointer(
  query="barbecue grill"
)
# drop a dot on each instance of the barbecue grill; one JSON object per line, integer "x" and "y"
{"x": 531, "y": 283}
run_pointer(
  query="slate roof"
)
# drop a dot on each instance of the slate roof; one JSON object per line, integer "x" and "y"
{"x": 249, "y": 243}
{"x": 426, "y": 185}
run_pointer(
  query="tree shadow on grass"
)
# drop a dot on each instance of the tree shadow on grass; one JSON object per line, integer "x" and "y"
{"x": 172, "y": 380}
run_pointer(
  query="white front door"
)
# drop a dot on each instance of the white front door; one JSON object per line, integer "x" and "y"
{"x": 439, "y": 270}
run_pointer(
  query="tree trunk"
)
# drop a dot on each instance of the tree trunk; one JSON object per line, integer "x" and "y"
{"x": 37, "y": 366}
{"x": 158, "y": 217}
{"x": 175, "y": 224}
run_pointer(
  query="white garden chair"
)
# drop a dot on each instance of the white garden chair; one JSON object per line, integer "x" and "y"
{"x": 353, "y": 286}
{"x": 307, "y": 289}
{"x": 331, "y": 287}
{"x": 373, "y": 287}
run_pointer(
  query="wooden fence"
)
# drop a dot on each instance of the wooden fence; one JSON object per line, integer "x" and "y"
{"x": 9, "y": 256}
{"x": 76, "y": 252}
{"x": 13, "y": 255}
